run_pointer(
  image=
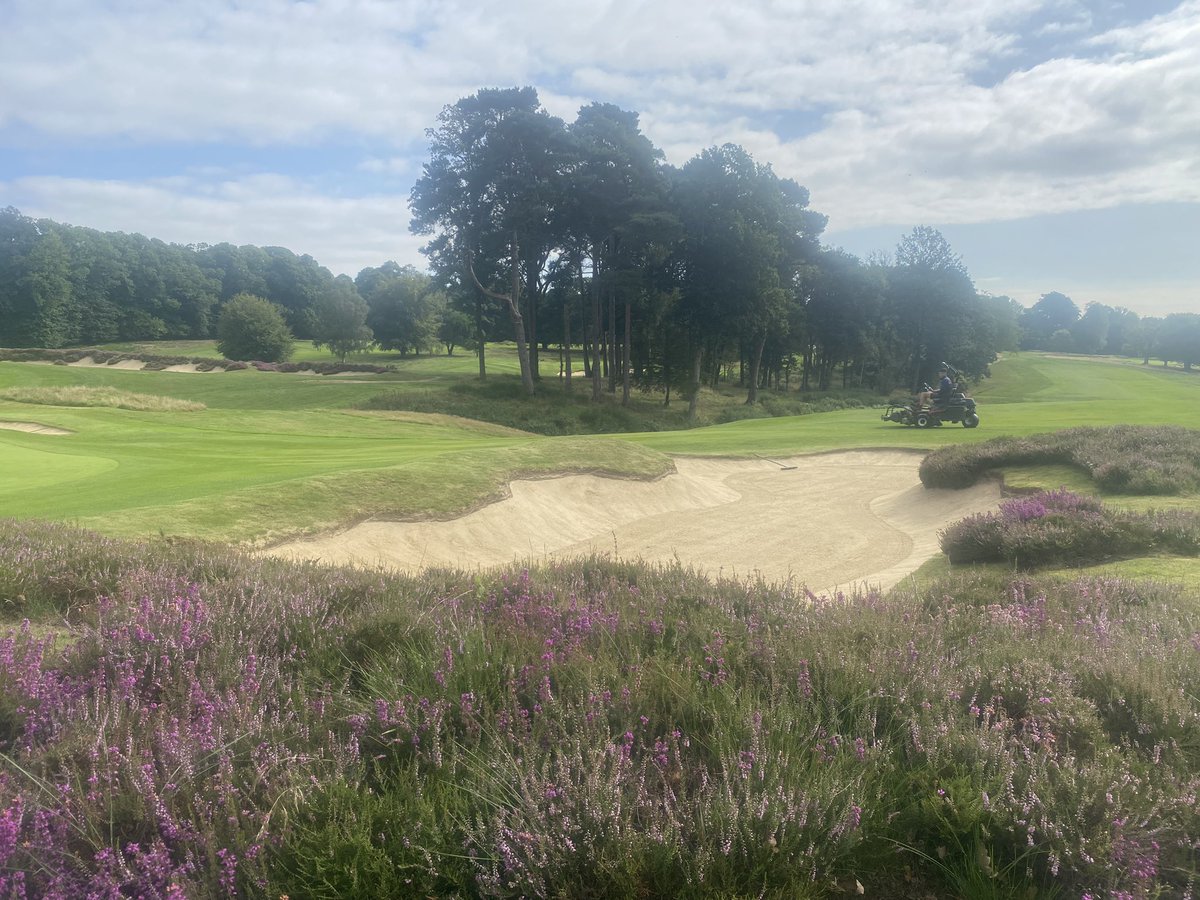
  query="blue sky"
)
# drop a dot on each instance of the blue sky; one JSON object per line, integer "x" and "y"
{"x": 1055, "y": 143}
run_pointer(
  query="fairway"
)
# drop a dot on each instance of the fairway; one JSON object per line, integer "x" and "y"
{"x": 273, "y": 457}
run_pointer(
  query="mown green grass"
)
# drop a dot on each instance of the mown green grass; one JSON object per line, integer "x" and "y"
{"x": 275, "y": 454}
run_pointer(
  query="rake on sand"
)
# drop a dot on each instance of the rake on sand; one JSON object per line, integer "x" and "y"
{"x": 777, "y": 462}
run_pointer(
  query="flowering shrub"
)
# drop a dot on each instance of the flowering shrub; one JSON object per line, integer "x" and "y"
{"x": 1059, "y": 526}
{"x": 217, "y": 725}
{"x": 1124, "y": 459}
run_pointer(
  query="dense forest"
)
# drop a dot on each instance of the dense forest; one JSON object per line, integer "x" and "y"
{"x": 580, "y": 236}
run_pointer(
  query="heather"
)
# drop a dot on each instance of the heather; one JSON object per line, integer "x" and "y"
{"x": 1122, "y": 459}
{"x": 1061, "y": 527}
{"x": 184, "y": 720}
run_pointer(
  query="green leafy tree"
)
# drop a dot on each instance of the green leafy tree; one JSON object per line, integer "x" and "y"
{"x": 1124, "y": 333}
{"x": 491, "y": 185}
{"x": 747, "y": 233}
{"x": 934, "y": 308}
{"x": 614, "y": 216}
{"x": 1179, "y": 339}
{"x": 842, "y": 300}
{"x": 1052, "y": 312}
{"x": 42, "y": 311}
{"x": 456, "y": 330}
{"x": 405, "y": 307}
{"x": 1090, "y": 331}
{"x": 338, "y": 321}
{"x": 251, "y": 327}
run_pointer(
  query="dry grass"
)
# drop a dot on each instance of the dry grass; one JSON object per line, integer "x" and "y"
{"x": 99, "y": 396}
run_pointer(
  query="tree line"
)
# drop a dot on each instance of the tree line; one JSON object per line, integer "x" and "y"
{"x": 63, "y": 285}
{"x": 1056, "y": 323}
{"x": 575, "y": 239}
{"x": 580, "y": 235}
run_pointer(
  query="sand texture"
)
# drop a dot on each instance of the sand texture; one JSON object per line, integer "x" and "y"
{"x": 835, "y": 521}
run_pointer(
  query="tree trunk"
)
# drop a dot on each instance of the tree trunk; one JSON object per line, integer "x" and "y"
{"x": 614, "y": 350}
{"x": 625, "y": 363}
{"x": 479, "y": 337}
{"x": 666, "y": 369}
{"x": 518, "y": 322}
{"x": 694, "y": 386}
{"x": 597, "y": 329}
{"x": 756, "y": 353}
{"x": 531, "y": 304}
{"x": 567, "y": 345}
{"x": 513, "y": 300}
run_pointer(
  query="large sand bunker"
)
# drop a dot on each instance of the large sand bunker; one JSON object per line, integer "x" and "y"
{"x": 835, "y": 521}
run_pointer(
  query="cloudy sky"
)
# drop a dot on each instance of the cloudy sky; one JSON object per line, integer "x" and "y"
{"x": 1055, "y": 143}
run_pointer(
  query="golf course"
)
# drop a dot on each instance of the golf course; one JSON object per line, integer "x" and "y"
{"x": 286, "y": 634}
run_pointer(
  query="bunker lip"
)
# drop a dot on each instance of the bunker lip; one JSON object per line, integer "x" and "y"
{"x": 836, "y": 521}
{"x": 33, "y": 428}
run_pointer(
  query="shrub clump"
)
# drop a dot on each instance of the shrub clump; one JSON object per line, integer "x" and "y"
{"x": 1122, "y": 459}
{"x": 251, "y": 327}
{"x": 1055, "y": 527}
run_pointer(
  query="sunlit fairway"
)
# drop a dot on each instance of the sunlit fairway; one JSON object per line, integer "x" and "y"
{"x": 275, "y": 454}
{"x": 1027, "y": 394}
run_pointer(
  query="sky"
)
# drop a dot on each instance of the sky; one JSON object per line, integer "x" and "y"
{"x": 1054, "y": 143}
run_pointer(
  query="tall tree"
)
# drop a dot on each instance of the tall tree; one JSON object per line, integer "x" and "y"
{"x": 934, "y": 307}
{"x": 487, "y": 193}
{"x": 1052, "y": 312}
{"x": 747, "y": 235}
{"x": 339, "y": 320}
{"x": 612, "y": 213}
{"x": 1090, "y": 331}
{"x": 1179, "y": 339}
{"x": 41, "y": 313}
{"x": 405, "y": 307}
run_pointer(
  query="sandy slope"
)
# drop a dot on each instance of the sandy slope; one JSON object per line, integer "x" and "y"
{"x": 834, "y": 521}
{"x": 32, "y": 428}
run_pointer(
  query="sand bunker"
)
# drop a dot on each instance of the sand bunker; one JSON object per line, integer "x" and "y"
{"x": 88, "y": 363}
{"x": 835, "y": 521}
{"x": 33, "y": 428}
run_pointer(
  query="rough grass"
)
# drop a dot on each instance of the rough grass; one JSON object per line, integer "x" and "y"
{"x": 551, "y": 411}
{"x": 216, "y": 723}
{"x": 79, "y": 395}
{"x": 1122, "y": 459}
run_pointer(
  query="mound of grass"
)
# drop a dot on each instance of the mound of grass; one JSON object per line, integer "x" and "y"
{"x": 1060, "y": 527}
{"x": 216, "y": 723}
{"x": 1122, "y": 459}
{"x": 503, "y": 401}
{"x": 550, "y": 411}
{"x": 98, "y": 396}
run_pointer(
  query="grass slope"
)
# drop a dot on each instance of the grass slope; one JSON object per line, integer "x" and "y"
{"x": 274, "y": 454}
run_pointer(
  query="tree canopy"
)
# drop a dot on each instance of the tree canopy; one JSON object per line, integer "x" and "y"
{"x": 579, "y": 233}
{"x": 252, "y": 328}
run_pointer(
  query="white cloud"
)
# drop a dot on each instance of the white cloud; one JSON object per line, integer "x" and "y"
{"x": 907, "y": 110}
